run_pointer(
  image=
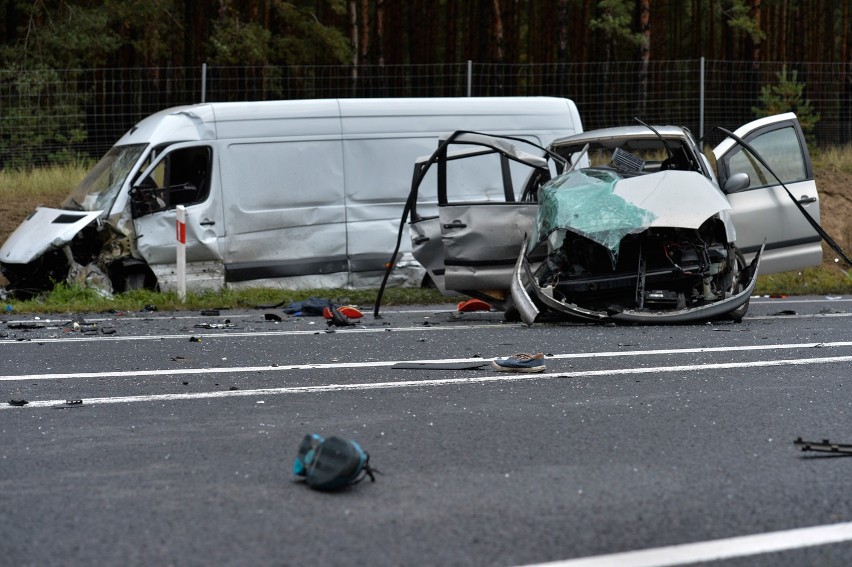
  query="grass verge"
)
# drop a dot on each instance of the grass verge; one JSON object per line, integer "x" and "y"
{"x": 67, "y": 299}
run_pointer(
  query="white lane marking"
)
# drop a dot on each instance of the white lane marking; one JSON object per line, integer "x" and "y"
{"x": 225, "y": 315}
{"x": 385, "y": 363}
{"x": 507, "y": 377}
{"x": 782, "y": 300}
{"x": 320, "y": 330}
{"x": 717, "y": 549}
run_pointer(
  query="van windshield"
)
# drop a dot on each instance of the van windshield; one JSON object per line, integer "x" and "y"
{"x": 98, "y": 190}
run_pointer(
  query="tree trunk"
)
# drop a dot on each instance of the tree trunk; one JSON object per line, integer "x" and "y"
{"x": 644, "y": 52}
{"x": 353, "y": 34}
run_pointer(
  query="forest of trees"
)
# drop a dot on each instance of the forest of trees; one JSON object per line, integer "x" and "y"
{"x": 158, "y": 33}
{"x": 75, "y": 74}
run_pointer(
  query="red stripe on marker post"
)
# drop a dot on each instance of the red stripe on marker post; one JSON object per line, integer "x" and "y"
{"x": 180, "y": 261}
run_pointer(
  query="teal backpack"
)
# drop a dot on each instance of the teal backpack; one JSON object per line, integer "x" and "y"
{"x": 329, "y": 464}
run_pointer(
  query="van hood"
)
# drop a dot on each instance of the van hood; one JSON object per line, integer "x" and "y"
{"x": 43, "y": 230}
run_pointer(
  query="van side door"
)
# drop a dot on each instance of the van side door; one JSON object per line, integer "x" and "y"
{"x": 763, "y": 211}
{"x": 183, "y": 174}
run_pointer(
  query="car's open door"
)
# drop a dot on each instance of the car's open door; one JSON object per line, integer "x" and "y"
{"x": 764, "y": 212}
{"x": 468, "y": 239}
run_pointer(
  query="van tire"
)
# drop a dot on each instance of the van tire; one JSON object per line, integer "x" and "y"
{"x": 136, "y": 277}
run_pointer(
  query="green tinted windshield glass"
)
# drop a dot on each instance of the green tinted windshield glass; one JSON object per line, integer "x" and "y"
{"x": 98, "y": 190}
{"x": 583, "y": 202}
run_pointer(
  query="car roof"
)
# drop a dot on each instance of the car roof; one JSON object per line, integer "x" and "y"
{"x": 621, "y": 132}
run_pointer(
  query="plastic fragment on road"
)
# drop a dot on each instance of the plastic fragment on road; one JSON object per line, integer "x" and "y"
{"x": 333, "y": 463}
{"x": 439, "y": 365}
{"x": 69, "y": 404}
{"x": 347, "y": 311}
{"x": 824, "y": 446}
{"x": 194, "y": 339}
{"x": 473, "y": 305}
{"x": 272, "y": 317}
{"x": 18, "y": 403}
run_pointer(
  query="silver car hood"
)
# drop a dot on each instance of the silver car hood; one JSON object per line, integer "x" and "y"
{"x": 678, "y": 199}
{"x": 43, "y": 230}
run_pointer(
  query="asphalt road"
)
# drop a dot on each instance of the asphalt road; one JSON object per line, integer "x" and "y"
{"x": 648, "y": 442}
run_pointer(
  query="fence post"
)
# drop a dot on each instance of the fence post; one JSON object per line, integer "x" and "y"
{"x": 701, "y": 102}
{"x": 180, "y": 233}
{"x": 203, "y": 83}
{"x": 469, "y": 78}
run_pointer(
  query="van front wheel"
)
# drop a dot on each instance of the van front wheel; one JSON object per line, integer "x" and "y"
{"x": 135, "y": 277}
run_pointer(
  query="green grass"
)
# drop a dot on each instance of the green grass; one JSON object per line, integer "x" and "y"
{"x": 56, "y": 181}
{"x": 811, "y": 281}
{"x": 65, "y": 299}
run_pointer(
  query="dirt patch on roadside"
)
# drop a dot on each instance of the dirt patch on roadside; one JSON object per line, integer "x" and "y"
{"x": 835, "y": 209}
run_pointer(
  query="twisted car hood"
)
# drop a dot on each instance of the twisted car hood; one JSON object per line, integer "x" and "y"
{"x": 43, "y": 230}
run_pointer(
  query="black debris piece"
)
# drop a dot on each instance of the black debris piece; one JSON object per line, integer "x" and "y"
{"x": 149, "y": 307}
{"x": 272, "y": 317}
{"x": 439, "y": 365}
{"x": 25, "y": 325}
{"x": 338, "y": 319}
{"x": 108, "y": 330}
{"x": 824, "y": 446}
{"x": 784, "y": 312}
{"x": 232, "y": 388}
{"x": 194, "y": 339}
{"x": 210, "y": 313}
{"x": 18, "y": 402}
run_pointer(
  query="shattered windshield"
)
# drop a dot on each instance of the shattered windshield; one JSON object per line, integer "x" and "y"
{"x": 584, "y": 203}
{"x": 98, "y": 190}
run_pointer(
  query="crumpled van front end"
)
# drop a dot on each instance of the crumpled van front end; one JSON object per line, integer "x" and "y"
{"x": 90, "y": 239}
{"x": 75, "y": 241}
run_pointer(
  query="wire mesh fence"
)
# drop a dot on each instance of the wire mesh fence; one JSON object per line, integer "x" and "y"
{"x": 52, "y": 115}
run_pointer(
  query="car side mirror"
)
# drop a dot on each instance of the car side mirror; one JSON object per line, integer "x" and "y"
{"x": 736, "y": 183}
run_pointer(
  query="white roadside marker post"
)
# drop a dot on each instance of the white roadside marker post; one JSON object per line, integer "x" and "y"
{"x": 180, "y": 228}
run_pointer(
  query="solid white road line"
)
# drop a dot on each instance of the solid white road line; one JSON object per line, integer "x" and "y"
{"x": 320, "y": 330}
{"x": 505, "y": 377}
{"x": 385, "y": 363}
{"x": 715, "y": 550}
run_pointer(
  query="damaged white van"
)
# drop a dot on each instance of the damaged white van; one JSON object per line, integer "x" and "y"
{"x": 293, "y": 194}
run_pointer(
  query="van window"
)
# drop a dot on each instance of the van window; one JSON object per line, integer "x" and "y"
{"x": 181, "y": 178}
{"x": 102, "y": 184}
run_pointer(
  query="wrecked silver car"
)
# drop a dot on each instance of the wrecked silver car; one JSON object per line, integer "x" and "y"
{"x": 625, "y": 224}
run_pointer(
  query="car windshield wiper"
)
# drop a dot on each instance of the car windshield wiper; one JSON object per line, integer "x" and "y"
{"x": 663, "y": 140}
